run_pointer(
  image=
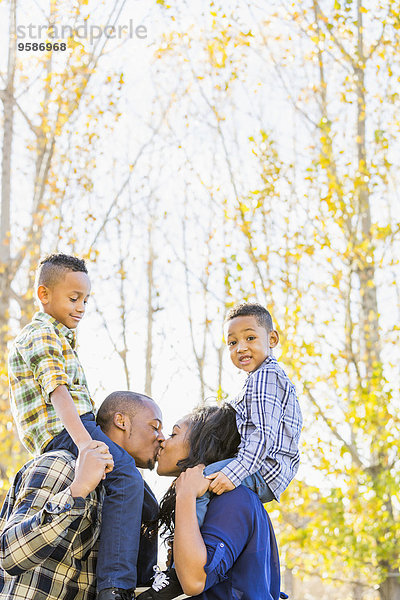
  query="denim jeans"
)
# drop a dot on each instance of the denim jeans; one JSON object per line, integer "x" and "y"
{"x": 148, "y": 547}
{"x": 254, "y": 482}
{"x": 122, "y": 511}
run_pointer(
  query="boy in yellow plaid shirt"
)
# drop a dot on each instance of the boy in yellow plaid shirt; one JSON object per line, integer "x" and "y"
{"x": 53, "y": 410}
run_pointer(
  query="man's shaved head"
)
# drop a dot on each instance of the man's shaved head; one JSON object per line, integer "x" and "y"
{"x": 124, "y": 402}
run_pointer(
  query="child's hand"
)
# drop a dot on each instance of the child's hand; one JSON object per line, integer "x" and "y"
{"x": 221, "y": 483}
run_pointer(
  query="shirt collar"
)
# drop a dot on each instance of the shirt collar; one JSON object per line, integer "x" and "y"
{"x": 59, "y": 327}
{"x": 267, "y": 360}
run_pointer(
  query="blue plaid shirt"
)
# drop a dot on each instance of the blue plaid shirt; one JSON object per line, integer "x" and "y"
{"x": 269, "y": 421}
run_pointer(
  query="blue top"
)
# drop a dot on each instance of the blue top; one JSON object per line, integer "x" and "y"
{"x": 269, "y": 421}
{"x": 242, "y": 555}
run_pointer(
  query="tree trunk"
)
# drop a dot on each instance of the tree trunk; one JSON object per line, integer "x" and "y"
{"x": 5, "y": 222}
{"x": 390, "y": 589}
{"x": 366, "y": 263}
{"x": 357, "y": 591}
{"x": 288, "y": 582}
{"x": 150, "y": 311}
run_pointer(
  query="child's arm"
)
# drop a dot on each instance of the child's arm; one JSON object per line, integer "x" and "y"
{"x": 220, "y": 484}
{"x": 66, "y": 411}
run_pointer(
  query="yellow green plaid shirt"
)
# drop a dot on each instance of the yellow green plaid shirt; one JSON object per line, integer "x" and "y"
{"x": 42, "y": 357}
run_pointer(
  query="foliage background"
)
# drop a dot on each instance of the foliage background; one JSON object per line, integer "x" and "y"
{"x": 241, "y": 150}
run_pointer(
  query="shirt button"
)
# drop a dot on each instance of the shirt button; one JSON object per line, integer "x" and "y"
{"x": 221, "y": 545}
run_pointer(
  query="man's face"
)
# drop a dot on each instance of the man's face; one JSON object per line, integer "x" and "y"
{"x": 145, "y": 435}
{"x": 66, "y": 300}
{"x": 249, "y": 343}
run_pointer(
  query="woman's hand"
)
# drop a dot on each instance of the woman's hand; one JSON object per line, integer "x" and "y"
{"x": 192, "y": 482}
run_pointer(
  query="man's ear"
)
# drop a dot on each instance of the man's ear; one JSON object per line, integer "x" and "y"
{"x": 273, "y": 338}
{"x": 43, "y": 294}
{"x": 120, "y": 421}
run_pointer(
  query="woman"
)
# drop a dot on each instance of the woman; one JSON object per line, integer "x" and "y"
{"x": 235, "y": 554}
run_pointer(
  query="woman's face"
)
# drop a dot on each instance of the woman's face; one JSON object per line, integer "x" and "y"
{"x": 173, "y": 449}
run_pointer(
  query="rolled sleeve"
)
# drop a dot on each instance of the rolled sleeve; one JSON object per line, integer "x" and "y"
{"x": 42, "y": 353}
{"x": 218, "y": 564}
{"x": 63, "y": 503}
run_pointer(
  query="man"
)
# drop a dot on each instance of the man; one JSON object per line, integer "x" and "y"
{"x": 50, "y": 521}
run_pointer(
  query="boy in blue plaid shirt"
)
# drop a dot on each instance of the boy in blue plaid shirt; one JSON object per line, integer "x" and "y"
{"x": 53, "y": 410}
{"x": 268, "y": 414}
{"x": 268, "y": 419}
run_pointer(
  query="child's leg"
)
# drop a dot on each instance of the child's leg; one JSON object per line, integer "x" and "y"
{"x": 201, "y": 507}
{"x": 257, "y": 484}
{"x": 121, "y": 521}
{"x": 121, "y": 515}
{"x": 202, "y": 502}
{"x": 254, "y": 482}
{"x": 63, "y": 440}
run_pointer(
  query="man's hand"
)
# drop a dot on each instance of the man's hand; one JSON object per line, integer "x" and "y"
{"x": 220, "y": 483}
{"x": 192, "y": 482}
{"x": 94, "y": 461}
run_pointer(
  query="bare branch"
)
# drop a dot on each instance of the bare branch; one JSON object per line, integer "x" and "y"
{"x": 350, "y": 447}
{"x": 322, "y": 19}
{"x": 127, "y": 180}
{"x": 121, "y": 353}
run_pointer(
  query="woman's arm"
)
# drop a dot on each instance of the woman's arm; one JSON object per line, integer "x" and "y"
{"x": 190, "y": 552}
